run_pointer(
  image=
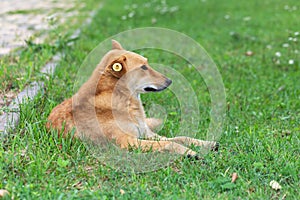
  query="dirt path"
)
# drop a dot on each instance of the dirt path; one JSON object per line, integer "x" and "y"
{"x": 21, "y": 19}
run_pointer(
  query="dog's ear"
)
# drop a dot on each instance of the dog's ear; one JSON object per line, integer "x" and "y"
{"x": 118, "y": 67}
{"x": 116, "y": 45}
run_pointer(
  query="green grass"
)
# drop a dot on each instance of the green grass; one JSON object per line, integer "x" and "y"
{"x": 261, "y": 134}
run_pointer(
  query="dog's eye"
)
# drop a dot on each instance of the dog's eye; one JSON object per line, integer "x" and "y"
{"x": 144, "y": 67}
{"x": 117, "y": 67}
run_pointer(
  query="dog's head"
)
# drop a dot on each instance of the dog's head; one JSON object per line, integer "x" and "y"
{"x": 132, "y": 71}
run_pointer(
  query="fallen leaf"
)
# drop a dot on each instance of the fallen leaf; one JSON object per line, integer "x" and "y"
{"x": 1, "y": 101}
{"x": 275, "y": 185}
{"x": 78, "y": 185}
{"x": 234, "y": 177}
{"x": 281, "y": 88}
{"x": 249, "y": 53}
{"x": 59, "y": 146}
{"x": 251, "y": 189}
{"x": 177, "y": 170}
{"x": 10, "y": 95}
{"x": 286, "y": 133}
{"x": 283, "y": 197}
{"x": 122, "y": 191}
{"x": 22, "y": 153}
{"x": 3, "y": 193}
{"x": 89, "y": 168}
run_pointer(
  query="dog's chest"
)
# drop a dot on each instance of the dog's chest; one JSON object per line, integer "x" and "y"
{"x": 137, "y": 116}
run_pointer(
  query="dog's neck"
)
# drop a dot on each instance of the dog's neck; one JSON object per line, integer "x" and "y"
{"x": 117, "y": 99}
{"x": 107, "y": 95}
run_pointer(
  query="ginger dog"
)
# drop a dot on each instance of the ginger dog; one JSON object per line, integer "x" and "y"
{"x": 108, "y": 107}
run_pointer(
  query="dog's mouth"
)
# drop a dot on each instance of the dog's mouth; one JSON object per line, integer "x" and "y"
{"x": 153, "y": 88}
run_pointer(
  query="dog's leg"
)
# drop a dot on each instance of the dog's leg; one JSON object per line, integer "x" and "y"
{"x": 153, "y": 123}
{"x": 187, "y": 141}
{"x": 191, "y": 141}
{"x": 182, "y": 139}
{"x": 126, "y": 141}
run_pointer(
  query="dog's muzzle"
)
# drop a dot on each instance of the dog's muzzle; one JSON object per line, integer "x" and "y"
{"x": 153, "y": 88}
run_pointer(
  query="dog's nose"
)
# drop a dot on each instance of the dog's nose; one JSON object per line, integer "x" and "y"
{"x": 168, "y": 82}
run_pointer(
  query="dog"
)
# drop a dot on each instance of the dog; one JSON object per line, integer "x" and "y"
{"x": 108, "y": 107}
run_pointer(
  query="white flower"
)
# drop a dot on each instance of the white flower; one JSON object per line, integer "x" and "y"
{"x": 285, "y": 45}
{"x": 286, "y": 7}
{"x": 248, "y": 18}
{"x": 153, "y": 20}
{"x": 275, "y": 185}
{"x": 291, "y": 61}
{"x": 296, "y": 33}
{"x": 134, "y": 6}
{"x": 290, "y": 38}
{"x": 278, "y": 54}
{"x": 131, "y": 14}
{"x": 249, "y": 53}
{"x": 124, "y": 17}
{"x": 295, "y": 39}
{"x": 173, "y": 9}
{"x": 227, "y": 16}
{"x": 51, "y": 17}
{"x": 147, "y": 5}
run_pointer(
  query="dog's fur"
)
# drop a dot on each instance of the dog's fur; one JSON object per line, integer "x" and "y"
{"x": 108, "y": 106}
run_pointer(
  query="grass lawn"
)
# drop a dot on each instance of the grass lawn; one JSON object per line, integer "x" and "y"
{"x": 255, "y": 45}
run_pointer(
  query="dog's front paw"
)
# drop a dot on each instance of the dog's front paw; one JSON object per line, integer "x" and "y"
{"x": 215, "y": 147}
{"x": 193, "y": 157}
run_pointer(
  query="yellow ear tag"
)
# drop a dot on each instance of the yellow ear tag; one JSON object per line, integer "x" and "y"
{"x": 117, "y": 67}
